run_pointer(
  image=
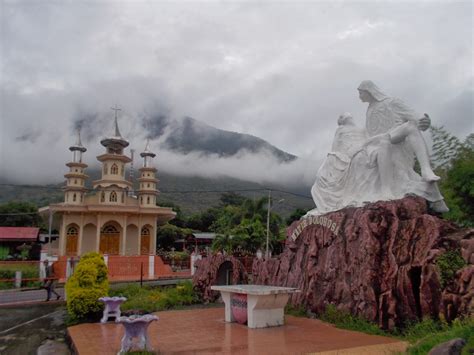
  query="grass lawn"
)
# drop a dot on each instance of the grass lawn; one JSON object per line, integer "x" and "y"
{"x": 152, "y": 299}
{"x": 422, "y": 336}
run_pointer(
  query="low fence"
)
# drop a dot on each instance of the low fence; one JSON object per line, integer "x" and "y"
{"x": 20, "y": 274}
{"x": 177, "y": 264}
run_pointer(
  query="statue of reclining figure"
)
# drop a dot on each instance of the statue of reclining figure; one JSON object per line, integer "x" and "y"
{"x": 376, "y": 163}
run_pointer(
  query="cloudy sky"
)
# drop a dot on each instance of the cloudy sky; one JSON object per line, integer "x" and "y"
{"x": 282, "y": 71}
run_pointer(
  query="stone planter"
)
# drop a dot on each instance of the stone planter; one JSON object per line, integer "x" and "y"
{"x": 136, "y": 326}
{"x": 238, "y": 305}
{"x": 112, "y": 307}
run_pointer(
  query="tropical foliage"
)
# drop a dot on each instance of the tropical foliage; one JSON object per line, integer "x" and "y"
{"x": 455, "y": 164}
{"x": 20, "y": 214}
{"x": 243, "y": 226}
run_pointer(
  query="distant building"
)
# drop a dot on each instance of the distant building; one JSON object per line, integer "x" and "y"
{"x": 199, "y": 240}
{"x": 13, "y": 239}
{"x": 112, "y": 219}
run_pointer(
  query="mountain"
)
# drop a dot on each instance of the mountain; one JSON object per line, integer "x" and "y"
{"x": 192, "y": 194}
{"x": 189, "y": 135}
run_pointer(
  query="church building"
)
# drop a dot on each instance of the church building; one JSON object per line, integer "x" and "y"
{"x": 111, "y": 219}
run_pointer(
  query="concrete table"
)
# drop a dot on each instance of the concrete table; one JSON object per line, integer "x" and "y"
{"x": 265, "y": 304}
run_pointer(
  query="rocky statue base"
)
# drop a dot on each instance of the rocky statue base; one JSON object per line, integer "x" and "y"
{"x": 378, "y": 262}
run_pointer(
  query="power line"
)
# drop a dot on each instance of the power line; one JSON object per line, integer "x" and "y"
{"x": 171, "y": 191}
{"x": 18, "y": 214}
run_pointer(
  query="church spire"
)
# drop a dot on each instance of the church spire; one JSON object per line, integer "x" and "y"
{"x": 147, "y": 155}
{"x": 148, "y": 190}
{"x": 75, "y": 178}
{"x": 116, "y": 143}
{"x": 117, "y": 131}
{"x": 77, "y": 149}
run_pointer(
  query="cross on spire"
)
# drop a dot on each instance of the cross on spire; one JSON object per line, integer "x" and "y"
{"x": 117, "y": 132}
{"x": 116, "y": 109}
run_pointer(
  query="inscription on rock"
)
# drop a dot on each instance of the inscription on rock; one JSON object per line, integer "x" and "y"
{"x": 315, "y": 221}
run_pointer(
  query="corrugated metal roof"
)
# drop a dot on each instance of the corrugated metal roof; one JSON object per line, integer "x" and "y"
{"x": 204, "y": 235}
{"x": 19, "y": 233}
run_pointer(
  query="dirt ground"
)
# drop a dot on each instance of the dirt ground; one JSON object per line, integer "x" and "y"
{"x": 26, "y": 328}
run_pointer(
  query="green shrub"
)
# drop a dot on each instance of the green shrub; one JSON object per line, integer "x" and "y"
{"x": 428, "y": 334}
{"x": 150, "y": 299}
{"x": 449, "y": 263}
{"x": 345, "y": 320}
{"x": 298, "y": 311}
{"x": 4, "y": 251}
{"x": 84, "y": 288}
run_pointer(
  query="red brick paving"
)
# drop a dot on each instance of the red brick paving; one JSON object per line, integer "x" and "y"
{"x": 203, "y": 331}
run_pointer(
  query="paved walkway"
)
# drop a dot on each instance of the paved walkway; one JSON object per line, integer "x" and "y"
{"x": 203, "y": 331}
{"x": 14, "y": 297}
{"x": 18, "y": 297}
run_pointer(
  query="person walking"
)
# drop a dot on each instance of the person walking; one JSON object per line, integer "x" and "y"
{"x": 50, "y": 281}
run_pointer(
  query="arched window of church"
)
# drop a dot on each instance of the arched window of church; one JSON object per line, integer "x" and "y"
{"x": 147, "y": 185}
{"x": 102, "y": 197}
{"x": 121, "y": 170}
{"x": 74, "y": 198}
{"x": 82, "y": 197}
{"x": 113, "y": 196}
{"x": 141, "y": 199}
{"x": 72, "y": 231}
{"x": 114, "y": 169}
{"x": 148, "y": 200}
{"x": 105, "y": 168}
{"x": 123, "y": 197}
{"x": 75, "y": 182}
{"x": 110, "y": 229}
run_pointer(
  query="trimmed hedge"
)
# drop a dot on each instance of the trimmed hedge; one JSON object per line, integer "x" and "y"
{"x": 84, "y": 288}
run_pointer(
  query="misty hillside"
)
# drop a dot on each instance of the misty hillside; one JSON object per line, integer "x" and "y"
{"x": 189, "y": 135}
{"x": 192, "y": 194}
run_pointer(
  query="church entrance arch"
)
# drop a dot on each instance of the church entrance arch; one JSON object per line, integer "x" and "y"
{"x": 145, "y": 240}
{"x": 72, "y": 236}
{"x": 110, "y": 239}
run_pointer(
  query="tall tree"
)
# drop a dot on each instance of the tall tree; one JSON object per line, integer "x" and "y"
{"x": 20, "y": 214}
{"x": 458, "y": 187}
{"x": 445, "y": 148}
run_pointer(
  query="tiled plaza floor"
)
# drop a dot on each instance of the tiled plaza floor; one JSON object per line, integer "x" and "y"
{"x": 203, "y": 331}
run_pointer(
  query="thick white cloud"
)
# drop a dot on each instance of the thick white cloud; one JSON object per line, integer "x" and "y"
{"x": 282, "y": 71}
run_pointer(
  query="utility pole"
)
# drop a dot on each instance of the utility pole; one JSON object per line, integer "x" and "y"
{"x": 267, "y": 255}
{"x": 50, "y": 227}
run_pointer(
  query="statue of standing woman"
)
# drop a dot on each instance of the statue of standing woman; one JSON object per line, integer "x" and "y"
{"x": 382, "y": 166}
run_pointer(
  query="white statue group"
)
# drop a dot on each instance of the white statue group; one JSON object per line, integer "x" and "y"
{"x": 377, "y": 163}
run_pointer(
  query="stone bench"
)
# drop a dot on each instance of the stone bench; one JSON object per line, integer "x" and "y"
{"x": 264, "y": 304}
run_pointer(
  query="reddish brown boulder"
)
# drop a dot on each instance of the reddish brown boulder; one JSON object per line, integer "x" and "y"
{"x": 377, "y": 261}
{"x": 214, "y": 270}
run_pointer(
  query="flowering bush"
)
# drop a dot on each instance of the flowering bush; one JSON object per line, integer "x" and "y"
{"x": 84, "y": 288}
